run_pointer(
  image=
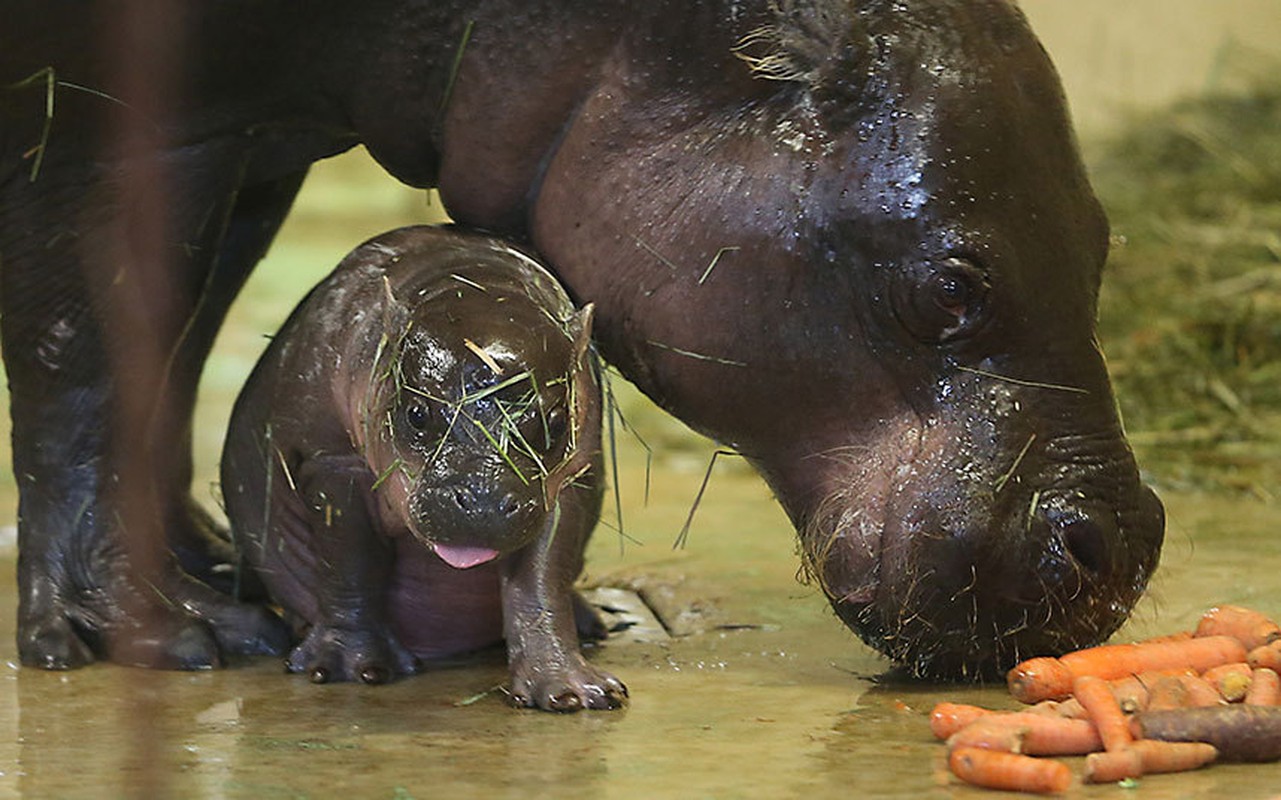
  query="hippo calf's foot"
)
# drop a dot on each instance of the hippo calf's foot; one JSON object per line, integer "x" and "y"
{"x": 565, "y": 685}
{"x": 369, "y": 655}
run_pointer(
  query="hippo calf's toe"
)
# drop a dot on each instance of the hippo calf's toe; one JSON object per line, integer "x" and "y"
{"x": 413, "y": 466}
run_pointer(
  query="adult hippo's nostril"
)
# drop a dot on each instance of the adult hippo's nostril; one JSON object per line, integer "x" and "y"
{"x": 1087, "y": 534}
{"x": 1090, "y": 542}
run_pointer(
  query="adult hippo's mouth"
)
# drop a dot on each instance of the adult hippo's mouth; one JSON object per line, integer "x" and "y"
{"x": 960, "y": 542}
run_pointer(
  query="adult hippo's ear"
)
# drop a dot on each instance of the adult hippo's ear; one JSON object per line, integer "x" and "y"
{"x": 940, "y": 301}
{"x": 821, "y": 45}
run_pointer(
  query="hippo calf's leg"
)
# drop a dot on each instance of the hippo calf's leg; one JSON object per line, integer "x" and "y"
{"x": 548, "y": 670}
{"x": 352, "y": 638}
{"x": 543, "y": 616}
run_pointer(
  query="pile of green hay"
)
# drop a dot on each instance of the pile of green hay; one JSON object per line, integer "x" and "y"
{"x": 1190, "y": 314}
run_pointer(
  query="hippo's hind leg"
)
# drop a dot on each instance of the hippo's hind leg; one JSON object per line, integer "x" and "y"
{"x": 203, "y": 548}
{"x": 105, "y": 321}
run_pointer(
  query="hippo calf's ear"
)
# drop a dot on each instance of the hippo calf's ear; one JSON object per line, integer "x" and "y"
{"x": 395, "y": 312}
{"x": 585, "y": 407}
{"x": 579, "y": 329}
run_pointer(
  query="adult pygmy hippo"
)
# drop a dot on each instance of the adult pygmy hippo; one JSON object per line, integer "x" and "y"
{"x": 852, "y": 239}
{"x": 424, "y": 430}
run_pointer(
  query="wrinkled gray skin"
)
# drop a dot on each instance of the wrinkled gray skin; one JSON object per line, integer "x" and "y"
{"x": 420, "y": 441}
{"x": 853, "y": 240}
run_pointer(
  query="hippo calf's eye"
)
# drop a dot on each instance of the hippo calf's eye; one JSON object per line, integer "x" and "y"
{"x": 557, "y": 424}
{"x": 416, "y": 415}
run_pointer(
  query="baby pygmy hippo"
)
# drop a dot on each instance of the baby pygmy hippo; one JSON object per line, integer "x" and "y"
{"x": 413, "y": 468}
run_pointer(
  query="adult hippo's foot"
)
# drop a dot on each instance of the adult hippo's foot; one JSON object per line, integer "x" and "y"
{"x": 204, "y": 550}
{"x": 103, "y": 608}
{"x": 103, "y": 346}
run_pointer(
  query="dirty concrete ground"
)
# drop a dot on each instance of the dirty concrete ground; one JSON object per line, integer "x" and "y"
{"x": 746, "y": 687}
{"x": 761, "y": 694}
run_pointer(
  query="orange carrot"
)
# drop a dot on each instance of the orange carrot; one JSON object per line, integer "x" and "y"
{"x": 995, "y": 770}
{"x": 1050, "y": 679}
{"x": 1147, "y": 757}
{"x": 1268, "y": 655}
{"x": 1050, "y": 736}
{"x": 948, "y": 718}
{"x": 1234, "y": 686}
{"x": 1248, "y": 626}
{"x": 1265, "y": 688}
{"x": 1117, "y": 660}
{"x": 1131, "y": 693}
{"x": 1029, "y": 733}
{"x": 1065, "y": 709}
{"x": 1200, "y": 693}
{"x": 1173, "y": 756}
{"x": 1106, "y": 714}
{"x": 1040, "y": 679}
{"x": 987, "y": 734}
{"x": 1111, "y": 766}
{"x": 1167, "y": 692}
{"x": 1213, "y": 674}
{"x": 1231, "y": 680}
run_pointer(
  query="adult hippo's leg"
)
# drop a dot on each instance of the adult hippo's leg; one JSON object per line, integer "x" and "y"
{"x": 94, "y": 576}
{"x": 202, "y": 548}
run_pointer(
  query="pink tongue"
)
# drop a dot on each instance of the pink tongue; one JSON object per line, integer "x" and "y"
{"x": 464, "y": 557}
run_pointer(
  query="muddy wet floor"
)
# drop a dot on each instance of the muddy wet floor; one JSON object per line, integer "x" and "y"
{"x": 760, "y": 693}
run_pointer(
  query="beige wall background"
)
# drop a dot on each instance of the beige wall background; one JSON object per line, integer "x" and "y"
{"x": 1116, "y": 56}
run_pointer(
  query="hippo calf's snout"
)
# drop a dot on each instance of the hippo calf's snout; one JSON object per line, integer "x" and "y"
{"x": 479, "y": 513}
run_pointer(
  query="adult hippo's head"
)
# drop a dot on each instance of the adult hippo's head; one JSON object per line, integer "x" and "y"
{"x": 855, "y": 241}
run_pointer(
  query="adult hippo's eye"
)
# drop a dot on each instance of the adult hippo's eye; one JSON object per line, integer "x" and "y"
{"x": 937, "y": 301}
{"x": 951, "y": 294}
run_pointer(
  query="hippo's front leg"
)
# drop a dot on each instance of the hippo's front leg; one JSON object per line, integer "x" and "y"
{"x": 352, "y": 639}
{"x": 548, "y": 670}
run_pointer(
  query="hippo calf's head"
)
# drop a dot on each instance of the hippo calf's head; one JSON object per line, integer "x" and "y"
{"x": 899, "y": 327}
{"x": 476, "y": 404}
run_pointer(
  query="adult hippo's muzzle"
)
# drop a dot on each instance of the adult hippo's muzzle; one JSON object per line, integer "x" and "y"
{"x": 990, "y": 529}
